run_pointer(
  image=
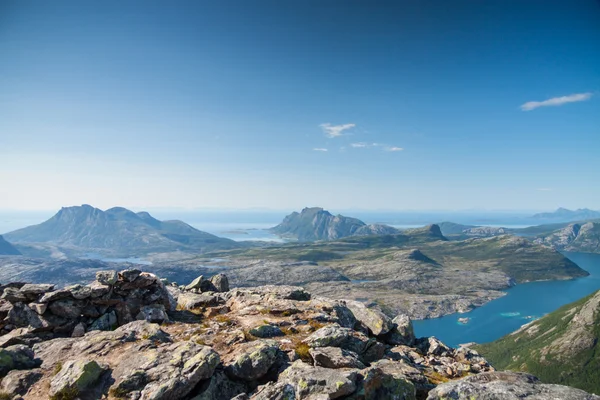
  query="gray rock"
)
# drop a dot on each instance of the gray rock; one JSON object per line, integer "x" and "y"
{"x": 23, "y": 316}
{"x": 165, "y": 373}
{"x": 67, "y": 308}
{"x": 153, "y": 313}
{"x": 436, "y": 347}
{"x": 190, "y": 301}
{"x": 79, "y": 330}
{"x": 98, "y": 289}
{"x": 80, "y": 292}
{"x": 55, "y": 295}
{"x": 220, "y": 387}
{"x": 220, "y": 282}
{"x": 36, "y": 289}
{"x": 19, "y": 381}
{"x": 336, "y": 336}
{"x": 377, "y": 322}
{"x": 274, "y": 391}
{"x": 195, "y": 284}
{"x": 253, "y": 360}
{"x": 75, "y": 377}
{"x": 107, "y": 277}
{"x": 128, "y": 275}
{"x": 19, "y": 336}
{"x": 14, "y": 295}
{"x": 378, "y": 384}
{"x": 139, "y": 330}
{"x": 402, "y": 333}
{"x": 39, "y": 308}
{"x": 505, "y": 386}
{"x": 266, "y": 331}
{"x": 334, "y": 357}
{"x": 316, "y": 382}
{"x": 17, "y": 356}
{"x": 104, "y": 323}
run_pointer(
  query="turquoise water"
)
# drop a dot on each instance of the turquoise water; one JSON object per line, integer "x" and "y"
{"x": 521, "y": 305}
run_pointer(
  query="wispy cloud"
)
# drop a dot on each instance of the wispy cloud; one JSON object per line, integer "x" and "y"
{"x": 364, "y": 145}
{"x": 544, "y": 189}
{"x": 394, "y": 148}
{"x": 333, "y": 131}
{"x": 320, "y": 149}
{"x": 361, "y": 145}
{"x": 556, "y": 101}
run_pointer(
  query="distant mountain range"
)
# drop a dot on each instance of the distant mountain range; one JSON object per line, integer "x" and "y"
{"x": 561, "y": 347}
{"x": 566, "y": 215}
{"x": 7, "y": 249}
{"x": 580, "y": 237}
{"x": 314, "y": 223}
{"x": 116, "y": 231}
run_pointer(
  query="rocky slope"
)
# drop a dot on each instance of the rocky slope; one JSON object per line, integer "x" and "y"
{"x": 7, "y": 248}
{"x": 317, "y": 224}
{"x": 579, "y": 237}
{"x": 117, "y": 231}
{"x": 561, "y": 347}
{"x": 455, "y": 231}
{"x": 130, "y": 335}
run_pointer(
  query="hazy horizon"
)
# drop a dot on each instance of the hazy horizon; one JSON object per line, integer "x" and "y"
{"x": 348, "y": 105}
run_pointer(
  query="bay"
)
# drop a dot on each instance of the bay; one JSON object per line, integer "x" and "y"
{"x": 522, "y": 304}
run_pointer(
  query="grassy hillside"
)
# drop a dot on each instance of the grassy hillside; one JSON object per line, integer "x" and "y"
{"x": 559, "y": 348}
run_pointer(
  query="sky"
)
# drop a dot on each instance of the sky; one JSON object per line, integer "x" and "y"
{"x": 396, "y": 105}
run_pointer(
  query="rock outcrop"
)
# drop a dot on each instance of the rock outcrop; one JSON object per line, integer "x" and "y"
{"x": 267, "y": 343}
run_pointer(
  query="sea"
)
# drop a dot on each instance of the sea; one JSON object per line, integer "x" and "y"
{"x": 522, "y": 303}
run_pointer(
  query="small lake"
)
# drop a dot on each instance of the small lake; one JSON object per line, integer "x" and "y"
{"x": 521, "y": 305}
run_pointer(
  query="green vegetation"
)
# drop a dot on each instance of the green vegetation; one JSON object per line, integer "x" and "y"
{"x": 553, "y": 349}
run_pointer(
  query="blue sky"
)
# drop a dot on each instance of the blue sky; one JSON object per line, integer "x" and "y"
{"x": 419, "y": 104}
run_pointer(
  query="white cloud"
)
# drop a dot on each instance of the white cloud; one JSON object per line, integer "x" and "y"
{"x": 556, "y": 101}
{"x": 359, "y": 145}
{"x": 320, "y": 149}
{"x": 394, "y": 148}
{"x": 544, "y": 189}
{"x": 333, "y": 131}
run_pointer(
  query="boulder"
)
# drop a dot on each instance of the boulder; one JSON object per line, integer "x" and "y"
{"x": 153, "y": 313}
{"x": 191, "y": 301}
{"x": 195, "y": 284}
{"x": 402, "y": 333}
{"x": 266, "y": 331}
{"x": 220, "y": 387}
{"x": 74, "y": 378}
{"x": 253, "y": 360}
{"x": 336, "y": 336}
{"x": 107, "y": 277}
{"x": 165, "y": 373}
{"x": 220, "y": 283}
{"x": 505, "y": 386}
{"x": 378, "y": 384}
{"x": 14, "y": 295}
{"x": 98, "y": 290}
{"x": 36, "y": 289}
{"x": 334, "y": 357}
{"x": 272, "y": 391}
{"x": 79, "y": 330}
{"x": 17, "y": 356}
{"x": 19, "y": 336}
{"x": 80, "y": 292}
{"x": 18, "y": 382}
{"x": 128, "y": 275}
{"x": 39, "y": 308}
{"x": 138, "y": 330}
{"x": 311, "y": 382}
{"x": 377, "y": 322}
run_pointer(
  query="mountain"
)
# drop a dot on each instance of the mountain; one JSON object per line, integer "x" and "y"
{"x": 579, "y": 237}
{"x": 7, "y": 248}
{"x": 117, "y": 231}
{"x": 314, "y": 223}
{"x": 566, "y": 215}
{"x": 561, "y": 347}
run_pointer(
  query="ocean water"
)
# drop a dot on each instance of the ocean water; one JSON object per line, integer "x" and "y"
{"x": 522, "y": 304}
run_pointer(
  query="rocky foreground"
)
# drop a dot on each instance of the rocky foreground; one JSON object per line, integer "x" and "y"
{"x": 130, "y": 335}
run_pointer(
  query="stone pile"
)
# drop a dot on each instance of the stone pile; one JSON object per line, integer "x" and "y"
{"x": 263, "y": 343}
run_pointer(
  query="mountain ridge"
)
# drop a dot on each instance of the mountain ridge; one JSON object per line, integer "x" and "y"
{"x": 7, "y": 249}
{"x": 117, "y": 230}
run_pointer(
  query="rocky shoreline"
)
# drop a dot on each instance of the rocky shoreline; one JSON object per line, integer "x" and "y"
{"x": 131, "y": 335}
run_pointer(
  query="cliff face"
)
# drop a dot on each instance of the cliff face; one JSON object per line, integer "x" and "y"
{"x": 560, "y": 348}
{"x": 578, "y": 237}
{"x": 103, "y": 340}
